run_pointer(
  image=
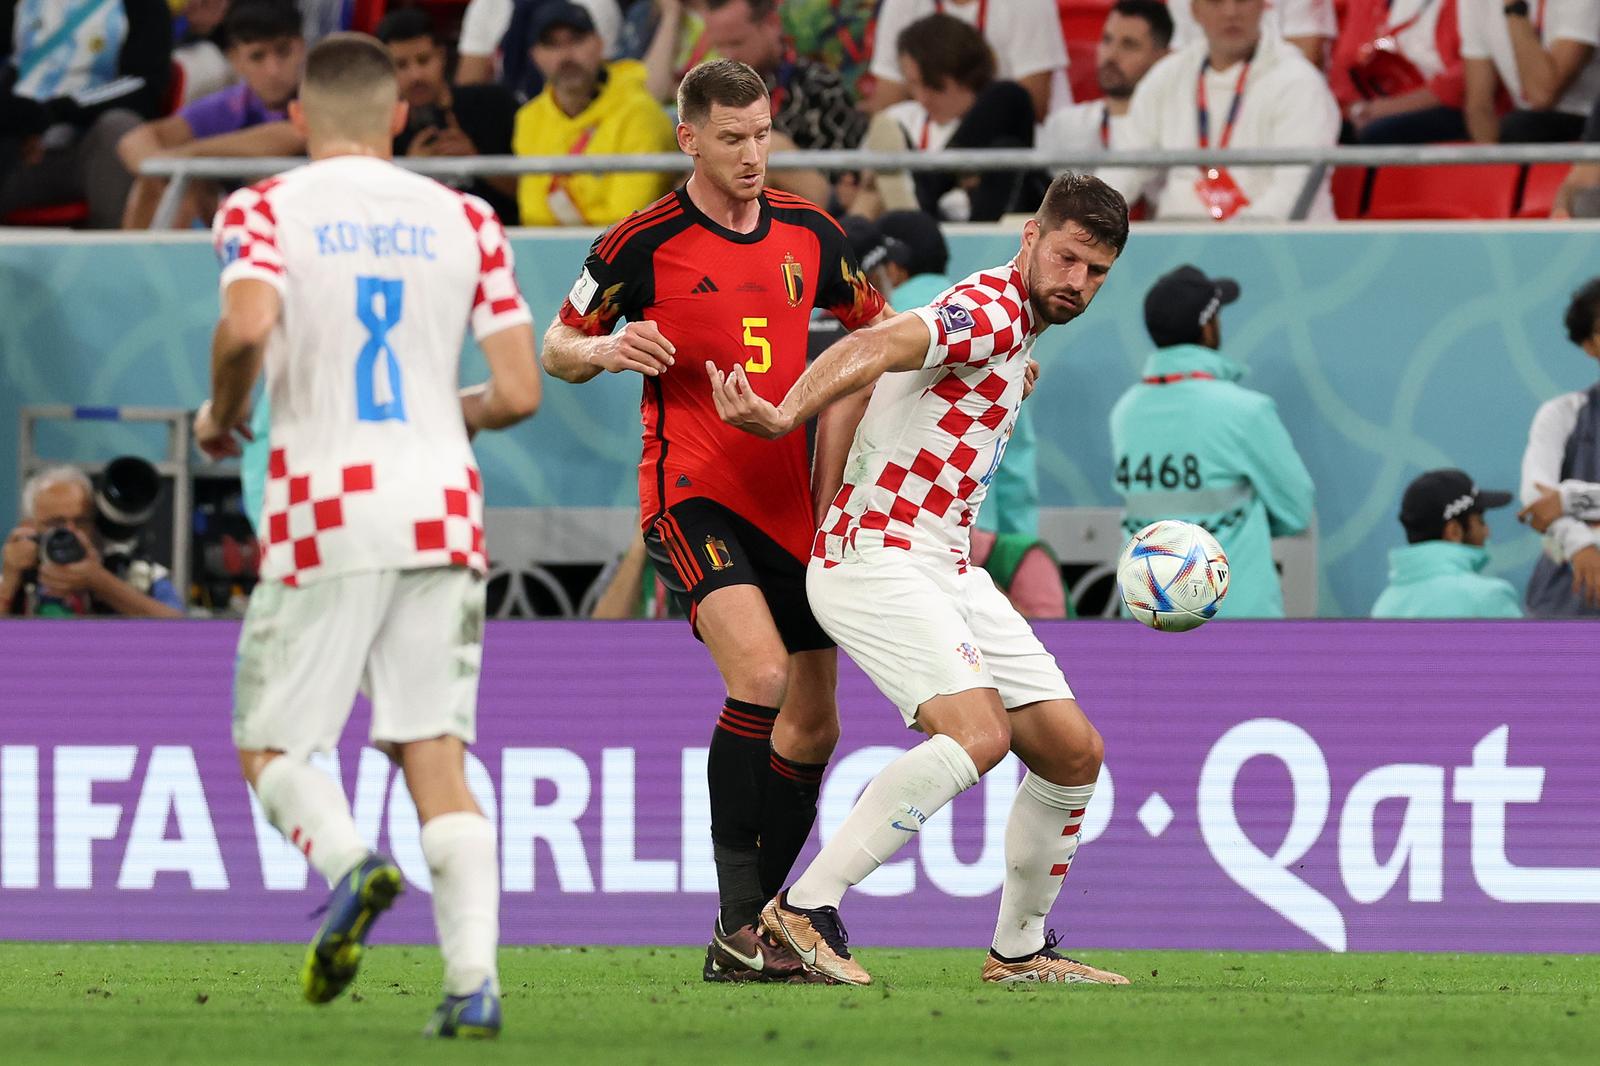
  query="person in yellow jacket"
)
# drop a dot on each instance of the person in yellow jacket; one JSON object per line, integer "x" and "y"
{"x": 588, "y": 107}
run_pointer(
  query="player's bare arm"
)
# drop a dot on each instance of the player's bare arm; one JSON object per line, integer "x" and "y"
{"x": 836, "y": 429}
{"x": 847, "y": 367}
{"x": 250, "y": 310}
{"x": 574, "y": 356}
{"x": 513, "y": 390}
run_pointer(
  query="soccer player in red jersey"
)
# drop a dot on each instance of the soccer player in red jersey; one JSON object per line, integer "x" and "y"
{"x": 724, "y": 271}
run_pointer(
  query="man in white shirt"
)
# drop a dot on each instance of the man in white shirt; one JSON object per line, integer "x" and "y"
{"x": 1544, "y": 55}
{"x": 1025, "y": 35}
{"x": 1309, "y": 25}
{"x": 1561, "y": 483}
{"x": 1136, "y": 36}
{"x": 1237, "y": 88}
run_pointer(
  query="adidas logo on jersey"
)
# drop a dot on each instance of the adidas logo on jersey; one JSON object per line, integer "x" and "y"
{"x": 706, "y": 285}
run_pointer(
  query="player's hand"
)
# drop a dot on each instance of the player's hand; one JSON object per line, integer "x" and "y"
{"x": 640, "y": 347}
{"x": 218, "y": 441}
{"x": 21, "y": 551}
{"x": 1546, "y": 509}
{"x": 739, "y": 405}
{"x": 1586, "y": 575}
{"x": 85, "y": 575}
{"x": 1030, "y": 378}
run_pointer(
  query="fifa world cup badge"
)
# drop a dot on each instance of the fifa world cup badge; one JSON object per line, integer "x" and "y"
{"x": 794, "y": 279}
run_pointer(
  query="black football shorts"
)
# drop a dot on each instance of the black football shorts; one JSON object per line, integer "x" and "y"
{"x": 699, "y": 546}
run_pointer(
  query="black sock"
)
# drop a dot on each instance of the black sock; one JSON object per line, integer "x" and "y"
{"x": 736, "y": 772}
{"x": 789, "y": 811}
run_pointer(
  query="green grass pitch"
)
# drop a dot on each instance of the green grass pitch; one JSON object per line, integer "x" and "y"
{"x": 229, "y": 1005}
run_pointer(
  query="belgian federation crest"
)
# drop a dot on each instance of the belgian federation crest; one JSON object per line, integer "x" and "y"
{"x": 717, "y": 553}
{"x": 794, "y": 279}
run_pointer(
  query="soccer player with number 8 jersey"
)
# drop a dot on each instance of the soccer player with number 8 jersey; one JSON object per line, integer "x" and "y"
{"x": 724, "y": 271}
{"x": 353, "y": 281}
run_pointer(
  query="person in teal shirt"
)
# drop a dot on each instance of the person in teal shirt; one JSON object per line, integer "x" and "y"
{"x": 1189, "y": 442}
{"x": 1438, "y": 574}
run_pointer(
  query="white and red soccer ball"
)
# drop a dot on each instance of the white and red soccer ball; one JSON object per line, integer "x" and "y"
{"x": 1172, "y": 575}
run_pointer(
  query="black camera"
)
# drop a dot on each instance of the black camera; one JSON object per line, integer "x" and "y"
{"x": 61, "y": 546}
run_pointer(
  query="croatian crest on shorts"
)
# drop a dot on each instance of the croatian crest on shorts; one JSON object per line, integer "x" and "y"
{"x": 717, "y": 553}
{"x": 794, "y": 279}
{"x": 970, "y": 656}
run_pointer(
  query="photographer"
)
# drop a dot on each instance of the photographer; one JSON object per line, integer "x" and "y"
{"x": 52, "y": 565}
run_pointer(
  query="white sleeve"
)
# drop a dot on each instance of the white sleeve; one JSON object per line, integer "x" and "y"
{"x": 1572, "y": 20}
{"x": 1308, "y": 18}
{"x": 893, "y": 16}
{"x": 498, "y": 303}
{"x": 1552, "y": 425}
{"x": 1033, "y": 41}
{"x": 607, "y": 21}
{"x": 245, "y": 235}
{"x": 1305, "y": 115}
{"x": 1470, "y": 20}
{"x": 482, "y": 26}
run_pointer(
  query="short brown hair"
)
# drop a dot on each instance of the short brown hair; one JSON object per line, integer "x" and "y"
{"x": 1091, "y": 203}
{"x": 717, "y": 81}
{"x": 348, "y": 62}
{"x": 759, "y": 9}
{"x": 947, "y": 49}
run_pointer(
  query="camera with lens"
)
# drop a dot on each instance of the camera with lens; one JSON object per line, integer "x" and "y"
{"x": 61, "y": 546}
{"x": 124, "y": 505}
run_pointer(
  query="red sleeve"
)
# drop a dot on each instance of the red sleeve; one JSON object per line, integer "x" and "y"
{"x": 497, "y": 304}
{"x": 245, "y": 235}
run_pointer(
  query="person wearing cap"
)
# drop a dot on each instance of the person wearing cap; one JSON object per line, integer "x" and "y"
{"x": 588, "y": 107}
{"x": 1439, "y": 573}
{"x": 1189, "y": 442}
{"x": 1561, "y": 483}
{"x": 1239, "y": 87}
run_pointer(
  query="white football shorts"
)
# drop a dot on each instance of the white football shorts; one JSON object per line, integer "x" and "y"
{"x": 919, "y": 629}
{"x": 412, "y": 640}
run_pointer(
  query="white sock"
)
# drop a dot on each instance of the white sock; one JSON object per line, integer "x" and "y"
{"x": 460, "y": 849}
{"x": 890, "y": 812}
{"x": 309, "y": 808}
{"x": 1041, "y": 838}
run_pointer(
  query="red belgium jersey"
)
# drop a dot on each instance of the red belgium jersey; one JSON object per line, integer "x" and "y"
{"x": 729, "y": 298}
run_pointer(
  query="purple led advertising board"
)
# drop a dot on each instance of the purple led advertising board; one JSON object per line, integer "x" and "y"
{"x": 1321, "y": 785}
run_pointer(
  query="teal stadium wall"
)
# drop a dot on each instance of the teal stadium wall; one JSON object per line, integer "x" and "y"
{"x": 1388, "y": 350}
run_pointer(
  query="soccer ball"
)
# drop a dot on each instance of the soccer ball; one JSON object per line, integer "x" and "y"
{"x": 1172, "y": 575}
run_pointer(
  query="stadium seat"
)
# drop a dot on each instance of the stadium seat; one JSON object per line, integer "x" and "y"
{"x": 1539, "y": 189}
{"x": 1349, "y": 190}
{"x": 1465, "y": 192}
{"x": 1081, "y": 72}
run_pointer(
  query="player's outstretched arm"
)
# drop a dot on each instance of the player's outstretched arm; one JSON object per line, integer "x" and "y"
{"x": 250, "y": 310}
{"x": 513, "y": 390}
{"x": 574, "y": 356}
{"x": 847, "y": 367}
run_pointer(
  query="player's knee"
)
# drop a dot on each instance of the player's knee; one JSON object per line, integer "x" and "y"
{"x": 763, "y": 683}
{"x": 986, "y": 743}
{"x": 1084, "y": 759}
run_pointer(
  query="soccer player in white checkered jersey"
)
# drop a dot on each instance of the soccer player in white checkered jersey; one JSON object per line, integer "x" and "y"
{"x": 890, "y": 581}
{"x": 353, "y": 281}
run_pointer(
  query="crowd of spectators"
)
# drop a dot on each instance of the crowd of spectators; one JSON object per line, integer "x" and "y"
{"x": 91, "y": 89}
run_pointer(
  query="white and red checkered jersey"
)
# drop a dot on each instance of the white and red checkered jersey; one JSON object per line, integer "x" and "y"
{"x": 931, "y": 439}
{"x": 380, "y": 271}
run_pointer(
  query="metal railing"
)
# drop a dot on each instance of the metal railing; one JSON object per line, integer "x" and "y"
{"x": 183, "y": 170}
